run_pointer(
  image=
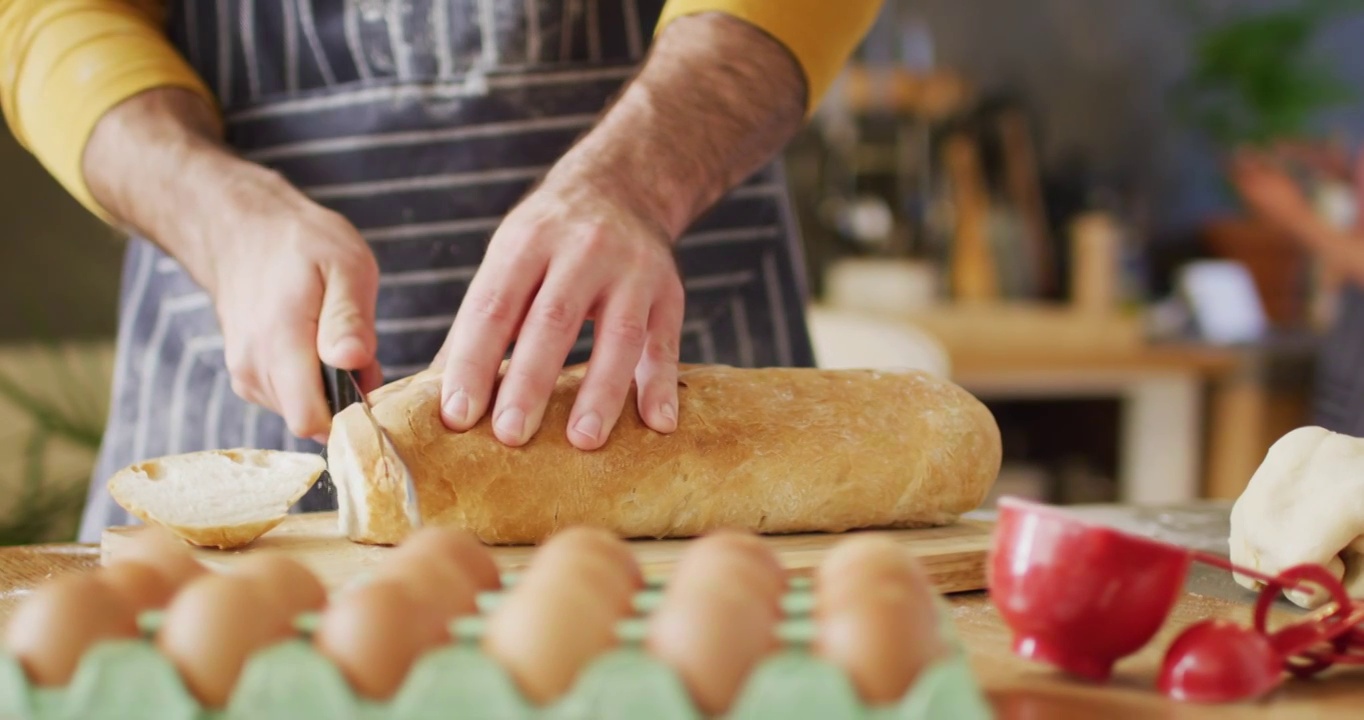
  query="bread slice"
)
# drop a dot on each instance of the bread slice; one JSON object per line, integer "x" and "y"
{"x": 217, "y": 498}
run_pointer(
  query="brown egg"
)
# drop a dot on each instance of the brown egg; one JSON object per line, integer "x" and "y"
{"x": 140, "y": 584}
{"x": 547, "y": 632}
{"x": 883, "y": 638}
{"x": 213, "y": 626}
{"x": 752, "y": 546}
{"x": 570, "y": 560}
{"x": 867, "y": 557}
{"x": 52, "y": 628}
{"x": 435, "y": 582}
{"x": 601, "y": 542}
{"x": 718, "y": 557}
{"x": 713, "y": 633}
{"x": 374, "y": 633}
{"x": 459, "y": 547}
{"x": 285, "y": 580}
{"x": 166, "y": 553}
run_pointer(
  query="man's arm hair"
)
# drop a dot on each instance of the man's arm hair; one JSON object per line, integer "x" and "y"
{"x": 716, "y": 99}
{"x": 157, "y": 165}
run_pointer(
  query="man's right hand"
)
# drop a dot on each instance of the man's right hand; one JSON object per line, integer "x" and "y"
{"x": 291, "y": 281}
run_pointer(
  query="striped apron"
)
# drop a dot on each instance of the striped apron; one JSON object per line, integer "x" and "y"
{"x": 1338, "y": 396}
{"x": 422, "y": 122}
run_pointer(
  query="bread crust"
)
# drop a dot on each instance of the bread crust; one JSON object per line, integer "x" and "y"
{"x": 220, "y": 536}
{"x": 773, "y": 450}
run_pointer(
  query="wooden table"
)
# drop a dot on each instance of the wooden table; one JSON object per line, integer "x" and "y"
{"x": 1036, "y": 351}
{"x": 1196, "y": 419}
{"x": 1018, "y": 689}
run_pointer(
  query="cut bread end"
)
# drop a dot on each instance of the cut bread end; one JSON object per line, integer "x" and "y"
{"x": 217, "y": 498}
{"x": 369, "y": 498}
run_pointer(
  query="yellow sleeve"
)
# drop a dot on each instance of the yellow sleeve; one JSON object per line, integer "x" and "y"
{"x": 821, "y": 34}
{"x": 65, "y": 63}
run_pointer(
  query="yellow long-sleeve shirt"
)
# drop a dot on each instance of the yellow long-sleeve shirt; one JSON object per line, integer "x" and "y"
{"x": 65, "y": 63}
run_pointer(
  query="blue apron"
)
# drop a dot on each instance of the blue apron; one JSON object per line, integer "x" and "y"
{"x": 422, "y": 122}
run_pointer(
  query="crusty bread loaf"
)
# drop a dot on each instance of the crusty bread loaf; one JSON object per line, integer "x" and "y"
{"x": 217, "y": 498}
{"x": 777, "y": 450}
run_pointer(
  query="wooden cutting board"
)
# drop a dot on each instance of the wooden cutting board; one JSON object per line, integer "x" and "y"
{"x": 954, "y": 555}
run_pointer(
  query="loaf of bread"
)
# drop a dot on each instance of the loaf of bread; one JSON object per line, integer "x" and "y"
{"x": 775, "y": 450}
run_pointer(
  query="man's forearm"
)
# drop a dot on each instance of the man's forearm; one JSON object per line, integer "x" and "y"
{"x": 157, "y": 164}
{"x": 715, "y": 101}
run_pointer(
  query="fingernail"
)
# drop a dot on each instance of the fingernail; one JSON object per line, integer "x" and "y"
{"x": 669, "y": 411}
{"x": 348, "y": 346}
{"x": 457, "y": 407}
{"x": 589, "y": 426}
{"x": 511, "y": 423}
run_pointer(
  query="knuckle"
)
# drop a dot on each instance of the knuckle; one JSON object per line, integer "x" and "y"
{"x": 463, "y": 367}
{"x": 343, "y": 317}
{"x": 239, "y": 366}
{"x": 326, "y": 221}
{"x": 663, "y": 349}
{"x": 597, "y": 239}
{"x": 629, "y": 331}
{"x": 491, "y": 306}
{"x": 357, "y": 257}
{"x": 673, "y": 293}
{"x": 308, "y": 425}
{"x": 556, "y": 314}
{"x": 526, "y": 383}
{"x": 243, "y": 389}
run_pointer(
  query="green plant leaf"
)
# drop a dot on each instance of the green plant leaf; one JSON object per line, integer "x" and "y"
{"x": 46, "y": 506}
{"x": 1253, "y": 79}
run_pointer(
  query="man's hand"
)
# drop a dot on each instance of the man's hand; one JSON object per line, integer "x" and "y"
{"x": 564, "y": 256}
{"x": 1269, "y": 191}
{"x": 716, "y": 99}
{"x": 290, "y": 281}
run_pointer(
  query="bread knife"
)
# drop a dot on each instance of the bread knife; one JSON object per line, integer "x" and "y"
{"x": 343, "y": 390}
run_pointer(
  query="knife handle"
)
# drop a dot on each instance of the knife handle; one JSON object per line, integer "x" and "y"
{"x": 341, "y": 392}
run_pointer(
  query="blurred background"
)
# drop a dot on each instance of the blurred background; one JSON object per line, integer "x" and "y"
{"x": 1028, "y": 197}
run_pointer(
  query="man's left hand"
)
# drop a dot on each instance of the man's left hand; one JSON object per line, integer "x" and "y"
{"x": 717, "y": 99}
{"x": 567, "y": 254}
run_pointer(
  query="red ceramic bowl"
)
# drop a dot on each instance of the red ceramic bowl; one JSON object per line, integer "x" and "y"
{"x": 1079, "y": 596}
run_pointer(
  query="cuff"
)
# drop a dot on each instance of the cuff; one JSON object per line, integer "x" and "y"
{"x": 68, "y": 65}
{"x": 821, "y": 34}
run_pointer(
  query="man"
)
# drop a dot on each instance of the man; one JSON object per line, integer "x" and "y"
{"x": 378, "y": 185}
{"x": 1272, "y": 195}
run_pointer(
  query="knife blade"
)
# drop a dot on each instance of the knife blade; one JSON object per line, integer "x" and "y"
{"x": 343, "y": 390}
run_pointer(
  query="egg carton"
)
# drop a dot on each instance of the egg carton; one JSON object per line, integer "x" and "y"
{"x": 127, "y": 679}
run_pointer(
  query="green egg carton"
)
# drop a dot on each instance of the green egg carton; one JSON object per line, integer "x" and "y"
{"x": 131, "y": 680}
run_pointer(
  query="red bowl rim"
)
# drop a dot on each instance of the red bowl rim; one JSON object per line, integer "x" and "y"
{"x": 1023, "y": 506}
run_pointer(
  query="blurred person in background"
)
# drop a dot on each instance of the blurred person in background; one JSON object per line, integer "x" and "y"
{"x": 1263, "y": 180}
{"x": 319, "y": 180}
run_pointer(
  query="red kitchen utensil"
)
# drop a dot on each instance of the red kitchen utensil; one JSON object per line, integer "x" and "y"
{"x": 1220, "y": 661}
{"x": 1081, "y": 597}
